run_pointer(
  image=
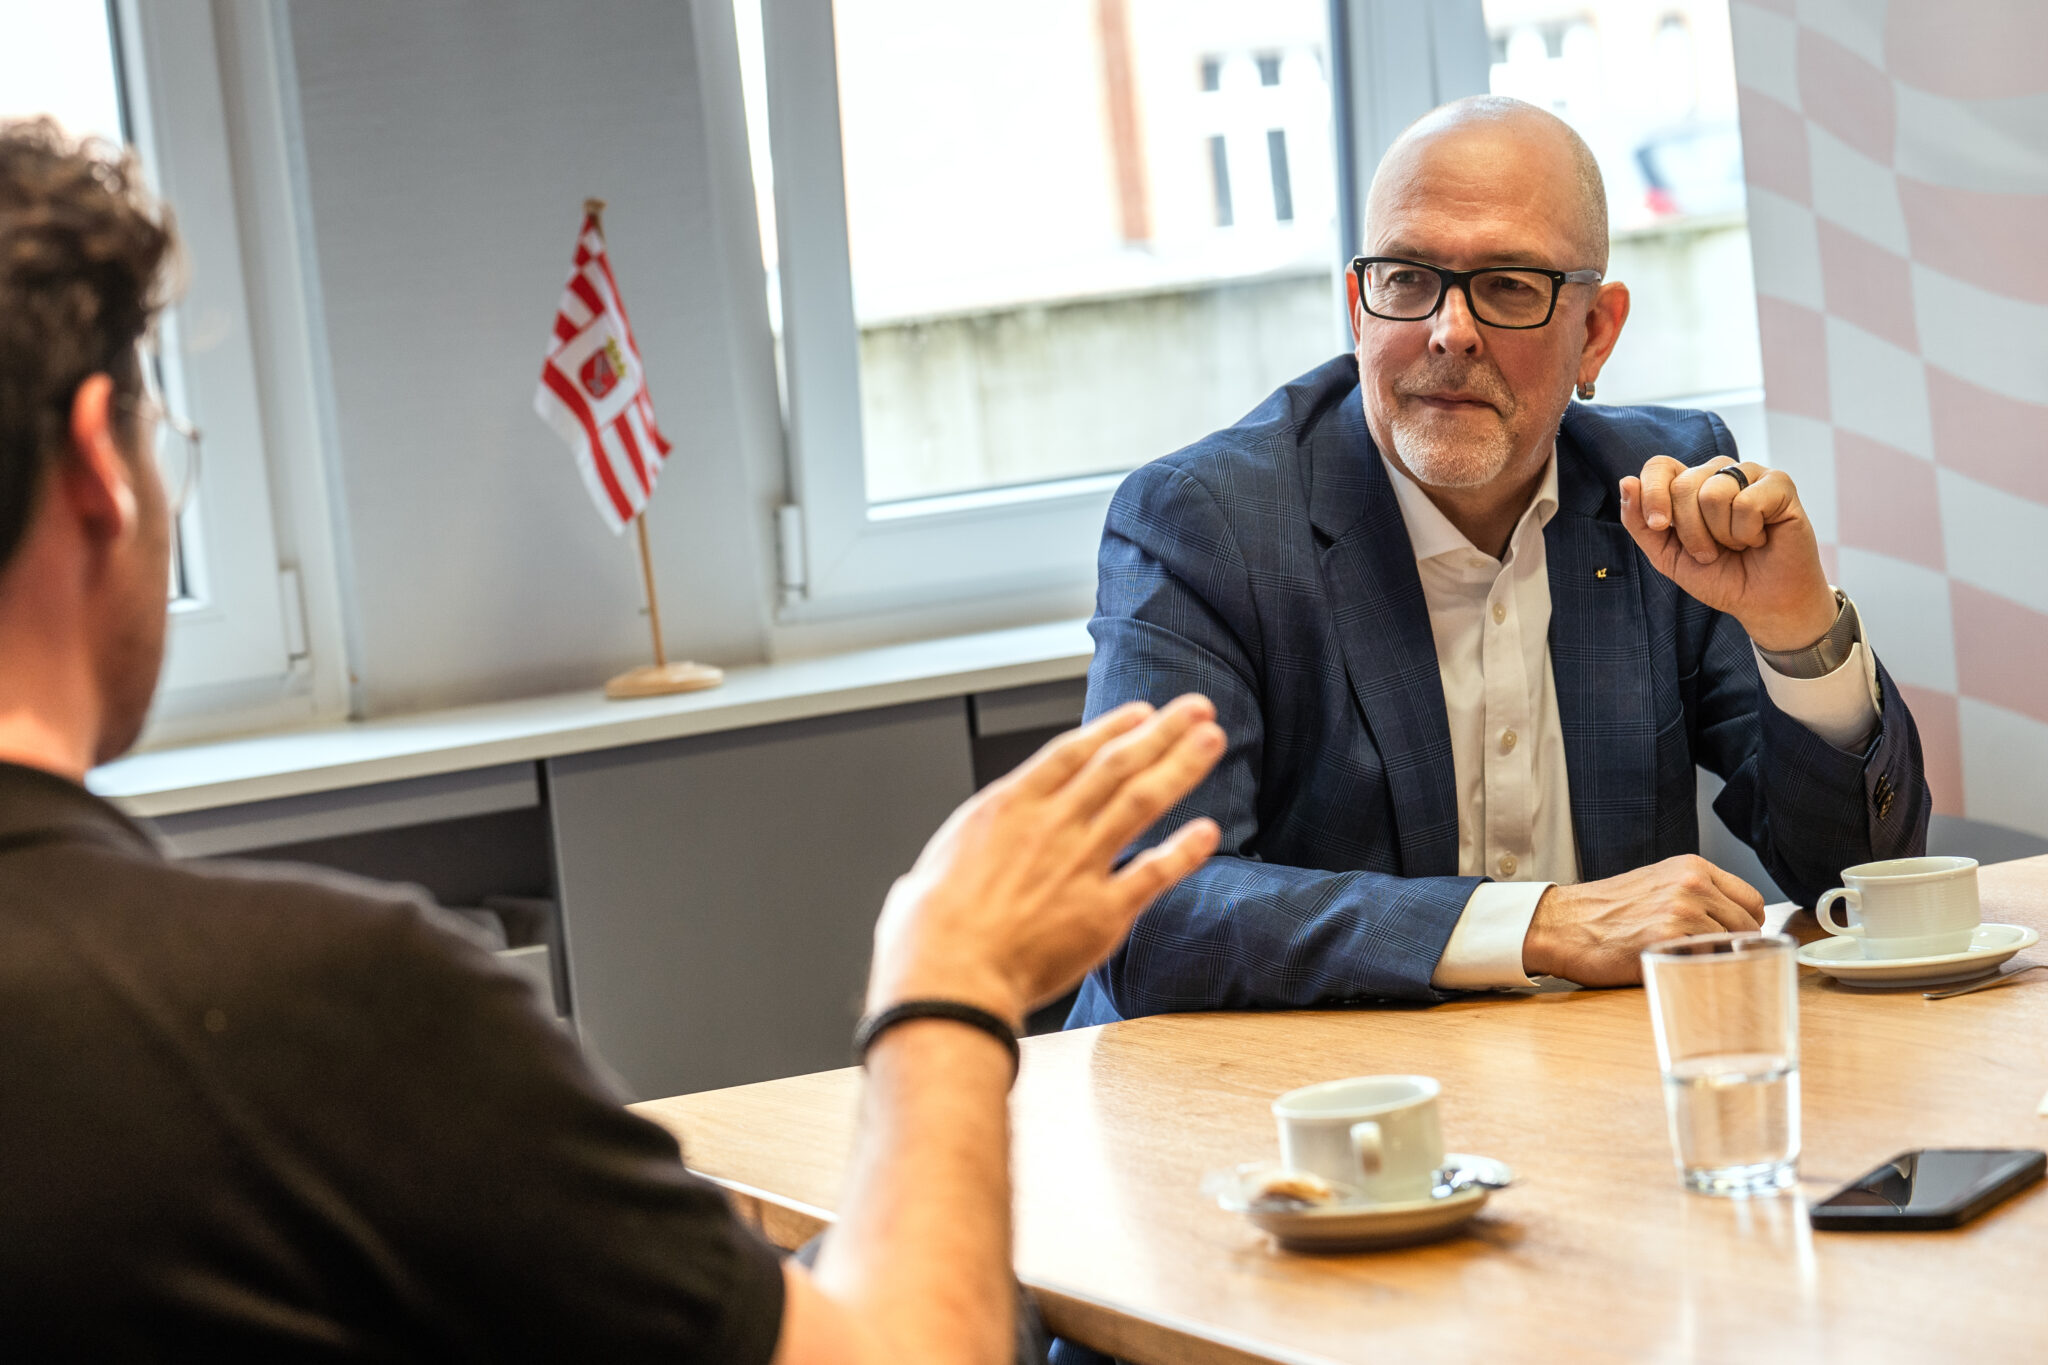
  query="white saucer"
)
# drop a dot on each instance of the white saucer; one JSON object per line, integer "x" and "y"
{"x": 1361, "y": 1227}
{"x": 1990, "y": 944}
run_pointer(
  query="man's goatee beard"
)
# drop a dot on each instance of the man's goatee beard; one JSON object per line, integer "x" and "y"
{"x": 1439, "y": 459}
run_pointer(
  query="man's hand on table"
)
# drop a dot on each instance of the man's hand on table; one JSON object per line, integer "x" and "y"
{"x": 1749, "y": 552}
{"x": 1017, "y": 896}
{"x": 1591, "y": 933}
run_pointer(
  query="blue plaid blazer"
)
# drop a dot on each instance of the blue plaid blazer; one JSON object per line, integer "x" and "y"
{"x": 1268, "y": 567}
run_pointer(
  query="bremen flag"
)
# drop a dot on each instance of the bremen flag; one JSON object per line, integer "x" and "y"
{"x": 593, "y": 390}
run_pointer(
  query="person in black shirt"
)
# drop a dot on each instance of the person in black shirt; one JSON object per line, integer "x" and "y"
{"x": 257, "y": 1113}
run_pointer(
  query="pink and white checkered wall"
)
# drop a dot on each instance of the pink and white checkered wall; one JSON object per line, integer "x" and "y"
{"x": 1897, "y": 158}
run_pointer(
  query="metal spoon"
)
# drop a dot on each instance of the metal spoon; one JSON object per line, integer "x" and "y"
{"x": 1451, "y": 1179}
{"x": 1986, "y": 984}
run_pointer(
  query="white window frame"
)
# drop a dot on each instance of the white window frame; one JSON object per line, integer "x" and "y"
{"x": 1392, "y": 61}
{"x": 855, "y": 558}
{"x": 843, "y": 557}
{"x": 231, "y": 632}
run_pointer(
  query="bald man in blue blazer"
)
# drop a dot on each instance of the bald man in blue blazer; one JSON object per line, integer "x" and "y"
{"x": 1469, "y": 638}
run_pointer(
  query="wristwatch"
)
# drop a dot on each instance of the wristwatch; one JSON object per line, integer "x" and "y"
{"x": 1826, "y": 654}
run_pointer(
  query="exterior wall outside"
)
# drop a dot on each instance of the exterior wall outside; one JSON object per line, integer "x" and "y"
{"x": 1082, "y": 387}
{"x": 1049, "y": 283}
{"x": 1088, "y": 386}
{"x": 1691, "y": 327}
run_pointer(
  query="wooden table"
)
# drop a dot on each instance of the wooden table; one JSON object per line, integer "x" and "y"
{"x": 1597, "y": 1255}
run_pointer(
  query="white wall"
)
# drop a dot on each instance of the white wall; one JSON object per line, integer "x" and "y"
{"x": 1897, "y": 159}
{"x": 447, "y": 149}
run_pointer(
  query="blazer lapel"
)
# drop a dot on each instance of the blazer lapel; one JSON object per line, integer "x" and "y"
{"x": 1383, "y": 626}
{"x": 1600, "y": 665}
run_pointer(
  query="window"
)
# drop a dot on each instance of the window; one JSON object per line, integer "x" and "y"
{"x": 1014, "y": 252}
{"x": 147, "y": 74}
{"x": 1651, "y": 87}
{"x": 1219, "y": 176}
{"x": 1070, "y": 238}
{"x": 1283, "y": 188}
{"x": 59, "y": 60}
{"x": 62, "y": 65}
{"x": 1256, "y": 99}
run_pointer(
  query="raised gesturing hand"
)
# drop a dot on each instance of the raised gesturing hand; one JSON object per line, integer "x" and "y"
{"x": 1018, "y": 894}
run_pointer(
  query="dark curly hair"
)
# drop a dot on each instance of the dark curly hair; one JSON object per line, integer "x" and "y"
{"x": 82, "y": 251}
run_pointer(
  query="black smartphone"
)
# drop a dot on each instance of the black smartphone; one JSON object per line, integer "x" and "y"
{"x": 1937, "y": 1187}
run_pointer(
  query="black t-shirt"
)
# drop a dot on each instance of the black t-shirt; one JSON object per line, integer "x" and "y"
{"x": 258, "y": 1113}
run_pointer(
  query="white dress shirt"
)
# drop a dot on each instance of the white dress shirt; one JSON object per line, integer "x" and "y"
{"x": 1491, "y": 621}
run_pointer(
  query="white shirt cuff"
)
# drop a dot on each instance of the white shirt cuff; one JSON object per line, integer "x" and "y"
{"x": 1485, "y": 951}
{"x": 1841, "y": 707}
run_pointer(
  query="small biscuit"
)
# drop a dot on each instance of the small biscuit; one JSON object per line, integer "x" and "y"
{"x": 1296, "y": 1187}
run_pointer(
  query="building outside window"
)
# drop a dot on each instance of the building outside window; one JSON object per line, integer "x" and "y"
{"x": 1650, "y": 85}
{"x": 1078, "y": 238}
{"x": 1069, "y": 238}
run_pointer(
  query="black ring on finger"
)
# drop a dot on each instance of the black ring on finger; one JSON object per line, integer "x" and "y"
{"x": 1733, "y": 471}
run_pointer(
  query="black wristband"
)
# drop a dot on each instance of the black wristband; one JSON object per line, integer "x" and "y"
{"x": 875, "y": 1025}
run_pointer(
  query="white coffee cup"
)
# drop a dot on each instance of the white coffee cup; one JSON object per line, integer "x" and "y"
{"x": 1909, "y": 907}
{"x": 1377, "y": 1134}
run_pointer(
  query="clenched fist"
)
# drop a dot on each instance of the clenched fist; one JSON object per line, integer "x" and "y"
{"x": 1739, "y": 542}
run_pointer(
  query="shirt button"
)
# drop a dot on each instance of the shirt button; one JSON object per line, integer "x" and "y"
{"x": 1507, "y": 864}
{"x": 1500, "y": 613}
{"x": 1507, "y": 741}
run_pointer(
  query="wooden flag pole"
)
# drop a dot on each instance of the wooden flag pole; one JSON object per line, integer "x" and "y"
{"x": 661, "y": 678}
{"x": 647, "y": 577}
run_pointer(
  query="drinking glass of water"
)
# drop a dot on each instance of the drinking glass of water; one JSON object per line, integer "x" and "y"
{"x": 1726, "y": 1012}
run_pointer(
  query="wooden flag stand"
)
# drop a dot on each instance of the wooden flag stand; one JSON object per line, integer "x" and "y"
{"x": 661, "y": 677}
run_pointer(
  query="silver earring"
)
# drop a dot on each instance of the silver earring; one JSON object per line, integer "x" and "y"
{"x": 1586, "y": 389}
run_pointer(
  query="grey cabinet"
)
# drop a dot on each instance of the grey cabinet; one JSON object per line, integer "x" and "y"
{"x": 719, "y": 892}
{"x": 712, "y": 898}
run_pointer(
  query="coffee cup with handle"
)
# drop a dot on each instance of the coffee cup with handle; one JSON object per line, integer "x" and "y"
{"x": 1377, "y": 1134}
{"x": 1908, "y": 907}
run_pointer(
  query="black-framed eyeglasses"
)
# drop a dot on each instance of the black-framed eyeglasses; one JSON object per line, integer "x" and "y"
{"x": 174, "y": 443}
{"x": 1512, "y": 297}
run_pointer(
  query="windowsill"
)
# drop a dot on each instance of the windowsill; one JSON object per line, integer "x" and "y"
{"x": 357, "y": 753}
